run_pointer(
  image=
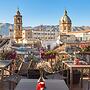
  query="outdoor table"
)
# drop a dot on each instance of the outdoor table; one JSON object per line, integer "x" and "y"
{"x": 3, "y": 65}
{"x": 72, "y": 66}
{"x": 30, "y": 84}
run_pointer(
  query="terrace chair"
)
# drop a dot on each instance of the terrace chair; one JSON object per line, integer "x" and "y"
{"x": 17, "y": 75}
{"x": 24, "y": 69}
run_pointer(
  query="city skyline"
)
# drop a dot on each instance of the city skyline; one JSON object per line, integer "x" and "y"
{"x": 46, "y": 12}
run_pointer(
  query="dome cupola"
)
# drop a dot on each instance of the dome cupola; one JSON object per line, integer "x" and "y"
{"x": 65, "y": 18}
{"x": 65, "y": 23}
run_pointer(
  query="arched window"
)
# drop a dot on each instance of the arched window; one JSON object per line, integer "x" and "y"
{"x": 18, "y": 20}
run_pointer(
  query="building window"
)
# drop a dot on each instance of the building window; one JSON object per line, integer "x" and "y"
{"x": 18, "y": 20}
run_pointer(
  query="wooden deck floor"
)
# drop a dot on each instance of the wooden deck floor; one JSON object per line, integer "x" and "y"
{"x": 5, "y": 85}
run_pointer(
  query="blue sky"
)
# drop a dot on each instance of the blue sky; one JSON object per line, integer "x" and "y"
{"x": 46, "y": 12}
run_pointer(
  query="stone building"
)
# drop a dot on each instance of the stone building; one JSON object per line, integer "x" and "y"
{"x": 17, "y": 26}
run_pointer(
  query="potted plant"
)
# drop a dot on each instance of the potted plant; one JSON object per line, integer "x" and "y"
{"x": 51, "y": 54}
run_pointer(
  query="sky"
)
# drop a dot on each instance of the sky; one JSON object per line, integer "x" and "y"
{"x": 46, "y": 12}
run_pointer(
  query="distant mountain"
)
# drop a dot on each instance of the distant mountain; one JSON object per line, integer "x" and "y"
{"x": 75, "y": 28}
{"x": 56, "y": 27}
{"x": 4, "y": 28}
{"x": 26, "y": 28}
{"x": 47, "y": 27}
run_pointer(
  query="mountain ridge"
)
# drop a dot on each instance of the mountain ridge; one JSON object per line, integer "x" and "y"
{"x": 4, "y": 28}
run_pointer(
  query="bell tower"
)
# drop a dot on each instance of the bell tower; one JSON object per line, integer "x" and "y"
{"x": 18, "y": 26}
{"x": 65, "y": 23}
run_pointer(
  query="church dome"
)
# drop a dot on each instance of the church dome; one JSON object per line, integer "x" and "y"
{"x": 65, "y": 18}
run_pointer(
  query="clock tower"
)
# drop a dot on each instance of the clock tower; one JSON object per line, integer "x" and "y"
{"x": 18, "y": 26}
